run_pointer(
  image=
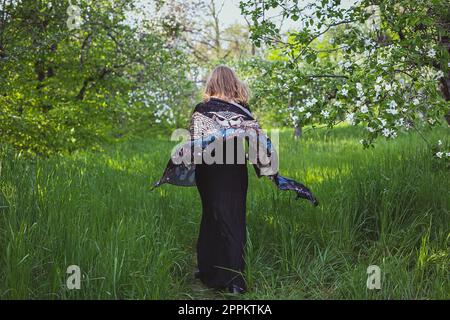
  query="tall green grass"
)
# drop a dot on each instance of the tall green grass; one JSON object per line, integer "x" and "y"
{"x": 387, "y": 206}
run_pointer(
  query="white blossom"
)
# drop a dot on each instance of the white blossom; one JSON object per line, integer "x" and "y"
{"x": 325, "y": 113}
{"x": 310, "y": 102}
{"x": 431, "y": 53}
{"x": 408, "y": 126}
{"x": 364, "y": 109}
{"x": 392, "y": 111}
{"x": 367, "y": 42}
{"x": 350, "y": 118}
{"x": 439, "y": 154}
{"x": 399, "y": 122}
{"x": 392, "y": 108}
{"x": 346, "y": 47}
{"x": 392, "y": 104}
{"x": 389, "y": 133}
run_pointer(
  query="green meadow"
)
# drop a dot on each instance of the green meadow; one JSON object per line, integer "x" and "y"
{"x": 386, "y": 206}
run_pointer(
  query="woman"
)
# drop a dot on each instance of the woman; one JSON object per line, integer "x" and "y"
{"x": 223, "y": 191}
{"x": 221, "y": 178}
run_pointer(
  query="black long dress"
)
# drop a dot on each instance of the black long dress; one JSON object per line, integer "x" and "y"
{"x": 222, "y": 238}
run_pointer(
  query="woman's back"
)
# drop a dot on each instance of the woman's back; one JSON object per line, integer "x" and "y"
{"x": 216, "y": 114}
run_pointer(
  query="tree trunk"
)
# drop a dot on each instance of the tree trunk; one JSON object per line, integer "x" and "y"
{"x": 215, "y": 13}
{"x": 297, "y": 132}
{"x": 445, "y": 89}
{"x": 445, "y": 81}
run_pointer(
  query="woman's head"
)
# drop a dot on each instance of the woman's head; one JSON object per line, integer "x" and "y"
{"x": 224, "y": 84}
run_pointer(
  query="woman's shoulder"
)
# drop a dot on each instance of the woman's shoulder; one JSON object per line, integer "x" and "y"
{"x": 206, "y": 105}
{"x": 246, "y": 106}
{"x": 199, "y": 107}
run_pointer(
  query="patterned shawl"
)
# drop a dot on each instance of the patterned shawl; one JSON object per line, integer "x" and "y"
{"x": 220, "y": 121}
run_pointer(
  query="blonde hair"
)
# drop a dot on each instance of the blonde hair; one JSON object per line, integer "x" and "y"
{"x": 224, "y": 84}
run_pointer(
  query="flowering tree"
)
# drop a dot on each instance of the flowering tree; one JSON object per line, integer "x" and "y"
{"x": 73, "y": 73}
{"x": 384, "y": 64}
